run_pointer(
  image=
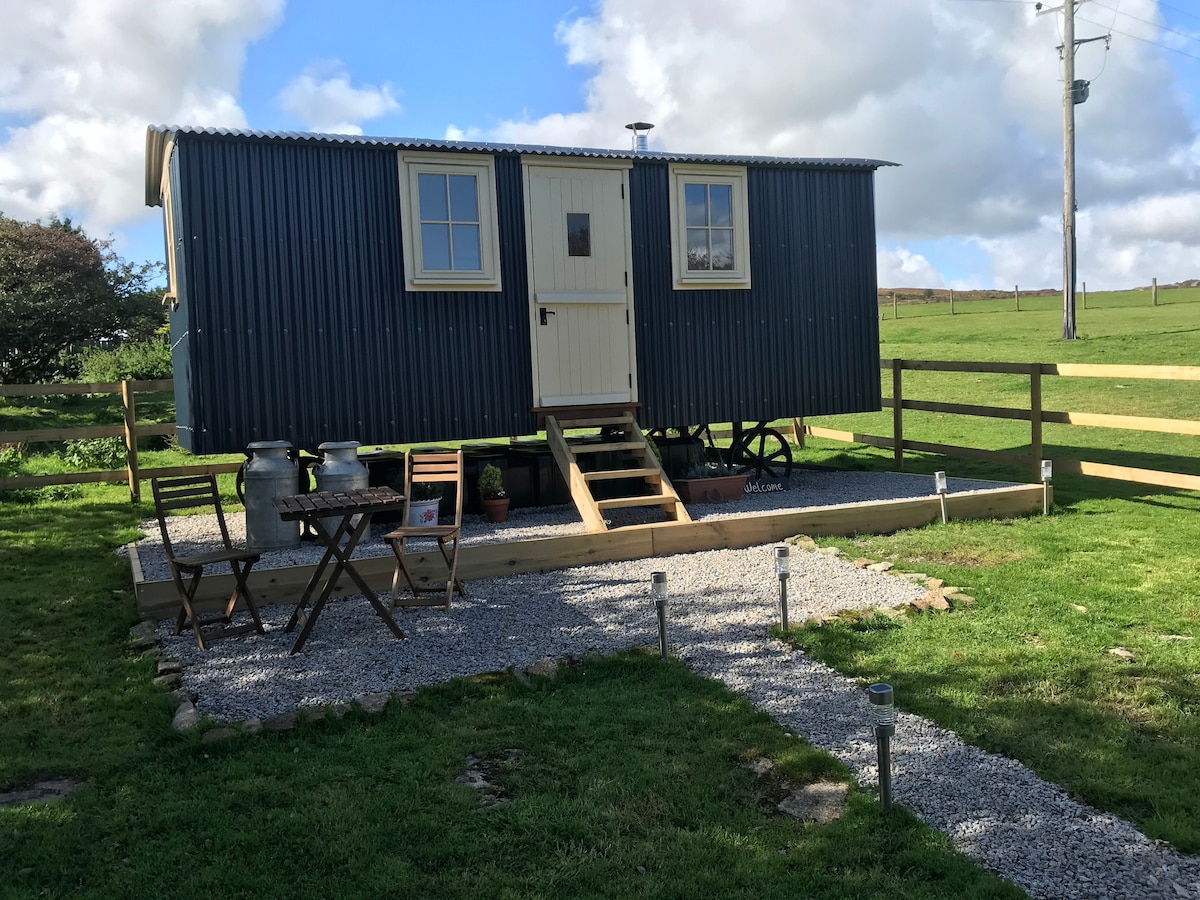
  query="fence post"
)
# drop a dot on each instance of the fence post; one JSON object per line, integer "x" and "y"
{"x": 1035, "y": 419}
{"x": 1017, "y": 296}
{"x": 895, "y": 314}
{"x": 1154, "y": 292}
{"x": 951, "y": 301}
{"x": 131, "y": 453}
{"x": 798, "y": 431}
{"x": 1085, "y": 295}
{"x": 897, "y": 417}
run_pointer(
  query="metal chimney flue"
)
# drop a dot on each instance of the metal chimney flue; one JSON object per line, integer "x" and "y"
{"x": 640, "y": 131}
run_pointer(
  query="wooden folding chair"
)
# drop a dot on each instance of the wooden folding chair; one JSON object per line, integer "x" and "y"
{"x": 429, "y": 468}
{"x": 195, "y": 492}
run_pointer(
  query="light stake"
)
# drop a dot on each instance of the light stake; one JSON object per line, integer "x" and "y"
{"x": 782, "y": 569}
{"x": 883, "y": 721}
{"x": 939, "y": 485}
{"x": 1047, "y": 474}
{"x": 658, "y": 590}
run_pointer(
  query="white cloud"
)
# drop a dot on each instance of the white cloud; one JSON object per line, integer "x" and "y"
{"x": 967, "y": 96}
{"x": 323, "y": 98}
{"x": 83, "y": 79}
{"x": 902, "y": 268}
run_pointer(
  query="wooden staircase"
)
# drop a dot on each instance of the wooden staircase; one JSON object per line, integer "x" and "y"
{"x": 624, "y": 437}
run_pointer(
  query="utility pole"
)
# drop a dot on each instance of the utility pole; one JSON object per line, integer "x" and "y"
{"x": 1073, "y": 92}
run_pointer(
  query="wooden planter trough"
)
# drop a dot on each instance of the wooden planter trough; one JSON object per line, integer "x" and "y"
{"x": 158, "y": 599}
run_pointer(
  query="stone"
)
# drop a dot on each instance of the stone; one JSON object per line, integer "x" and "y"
{"x": 186, "y": 716}
{"x": 213, "y": 735}
{"x": 170, "y": 682}
{"x": 921, "y": 604}
{"x": 47, "y": 790}
{"x": 520, "y": 676}
{"x": 891, "y": 612}
{"x": 1122, "y": 653}
{"x": 169, "y": 667}
{"x": 282, "y": 722}
{"x": 803, "y": 542}
{"x": 830, "y": 551}
{"x": 879, "y": 567}
{"x": 374, "y": 703}
{"x": 1079, "y": 608}
{"x": 143, "y": 631}
{"x": 822, "y": 802}
{"x": 938, "y": 601}
{"x": 544, "y": 668}
{"x": 861, "y": 563}
{"x": 1171, "y": 638}
{"x": 914, "y": 577}
{"x": 760, "y": 766}
{"x": 935, "y": 584}
{"x": 958, "y": 598}
{"x": 252, "y": 725}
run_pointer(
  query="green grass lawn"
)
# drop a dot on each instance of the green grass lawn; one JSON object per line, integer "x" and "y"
{"x": 631, "y": 778}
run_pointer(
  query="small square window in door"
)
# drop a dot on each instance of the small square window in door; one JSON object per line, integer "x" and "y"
{"x": 579, "y": 234}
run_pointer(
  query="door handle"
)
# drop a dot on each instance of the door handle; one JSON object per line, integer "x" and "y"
{"x": 543, "y": 313}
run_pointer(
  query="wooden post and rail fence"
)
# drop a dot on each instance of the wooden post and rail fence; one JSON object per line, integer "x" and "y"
{"x": 133, "y": 474}
{"x": 1036, "y": 415}
{"x": 129, "y": 430}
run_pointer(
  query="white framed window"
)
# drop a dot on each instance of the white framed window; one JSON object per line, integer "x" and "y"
{"x": 448, "y": 222}
{"x": 710, "y": 231}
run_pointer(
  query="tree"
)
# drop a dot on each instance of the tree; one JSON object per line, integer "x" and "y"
{"x": 61, "y": 291}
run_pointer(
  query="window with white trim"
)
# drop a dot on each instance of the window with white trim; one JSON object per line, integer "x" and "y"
{"x": 710, "y": 234}
{"x": 448, "y": 222}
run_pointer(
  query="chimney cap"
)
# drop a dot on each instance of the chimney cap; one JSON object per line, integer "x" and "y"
{"x": 640, "y": 126}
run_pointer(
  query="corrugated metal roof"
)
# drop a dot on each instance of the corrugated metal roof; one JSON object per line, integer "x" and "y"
{"x": 158, "y": 136}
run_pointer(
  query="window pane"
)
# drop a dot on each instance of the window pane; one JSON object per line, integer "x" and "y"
{"x": 695, "y": 199}
{"x": 463, "y": 207}
{"x": 435, "y": 246}
{"x": 697, "y": 249}
{"x": 722, "y": 249}
{"x": 579, "y": 234}
{"x": 432, "y": 192}
{"x": 720, "y": 205}
{"x": 466, "y": 248}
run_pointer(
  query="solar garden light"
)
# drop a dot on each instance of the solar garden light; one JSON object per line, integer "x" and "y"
{"x": 658, "y": 591}
{"x": 1047, "y": 474}
{"x": 939, "y": 485}
{"x": 883, "y": 721}
{"x": 783, "y": 570}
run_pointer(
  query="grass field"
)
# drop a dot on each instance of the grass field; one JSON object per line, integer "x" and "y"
{"x": 632, "y": 780}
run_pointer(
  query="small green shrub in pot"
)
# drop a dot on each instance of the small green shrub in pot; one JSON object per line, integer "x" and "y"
{"x": 710, "y": 469}
{"x": 426, "y": 490}
{"x": 491, "y": 484}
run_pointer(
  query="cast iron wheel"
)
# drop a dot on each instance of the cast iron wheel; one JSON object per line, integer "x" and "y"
{"x": 760, "y": 450}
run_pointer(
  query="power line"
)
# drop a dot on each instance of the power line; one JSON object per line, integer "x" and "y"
{"x": 1160, "y": 27}
{"x": 1142, "y": 39}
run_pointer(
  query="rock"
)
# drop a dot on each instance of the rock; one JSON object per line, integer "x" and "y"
{"x": 803, "y": 542}
{"x": 170, "y": 682}
{"x": 214, "y": 735}
{"x": 374, "y": 703}
{"x": 47, "y": 790}
{"x": 544, "y": 668}
{"x": 520, "y": 676}
{"x": 914, "y": 577}
{"x": 935, "y": 584}
{"x": 1079, "y": 608}
{"x": 186, "y": 716}
{"x": 169, "y": 667}
{"x": 760, "y": 766}
{"x": 1171, "y": 638}
{"x": 404, "y": 698}
{"x": 879, "y": 567}
{"x": 861, "y": 563}
{"x": 822, "y": 802}
{"x": 892, "y": 612}
{"x": 958, "y": 598}
{"x": 938, "y": 601}
{"x": 252, "y": 725}
{"x": 1121, "y": 653}
{"x": 830, "y": 551}
{"x": 282, "y": 722}
{"x": 143, "y": 631}
{"x": 921, "y": 604}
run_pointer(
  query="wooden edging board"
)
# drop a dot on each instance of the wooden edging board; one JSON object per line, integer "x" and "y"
{"x": 159, "y": 599}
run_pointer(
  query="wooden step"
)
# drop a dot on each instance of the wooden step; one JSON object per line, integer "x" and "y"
{"x": 603, "y": 422}
{"x": 606, "y": 447}
{"x": 645, "y": 500}
{"x": 608, "y": 474}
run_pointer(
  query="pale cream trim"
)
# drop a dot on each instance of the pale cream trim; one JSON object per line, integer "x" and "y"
{"x": 551, "y": 161}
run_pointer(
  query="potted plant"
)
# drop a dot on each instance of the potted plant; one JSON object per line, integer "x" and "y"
{"x": 710, "y": 482}
{"x": 423, "y": 504}
{"x": 492, "y": 494}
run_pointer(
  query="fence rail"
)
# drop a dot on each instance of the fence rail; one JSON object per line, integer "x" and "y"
{"x": 130, "y": 431}
{"x": 1035, "y": 415}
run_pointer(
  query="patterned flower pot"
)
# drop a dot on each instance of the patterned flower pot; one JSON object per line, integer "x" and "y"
{"x": 423, "y": 512}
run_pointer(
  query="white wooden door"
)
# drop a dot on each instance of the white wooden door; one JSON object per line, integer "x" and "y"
{"x": 582, "y": 323}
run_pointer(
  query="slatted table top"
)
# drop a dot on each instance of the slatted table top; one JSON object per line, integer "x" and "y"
{"x": 337, "y": 503}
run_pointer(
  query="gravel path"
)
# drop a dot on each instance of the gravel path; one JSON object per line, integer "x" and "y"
{"x": 722, "y": 604}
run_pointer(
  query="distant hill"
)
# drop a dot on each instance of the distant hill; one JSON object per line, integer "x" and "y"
{"x": 934, "y": 295}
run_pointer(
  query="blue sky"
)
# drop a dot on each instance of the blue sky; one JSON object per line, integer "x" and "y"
{"x": 965, "y": 94}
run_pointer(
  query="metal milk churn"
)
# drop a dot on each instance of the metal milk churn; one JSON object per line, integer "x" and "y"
{"x": 339, "y": 470}
{"x": 268, "y": 474}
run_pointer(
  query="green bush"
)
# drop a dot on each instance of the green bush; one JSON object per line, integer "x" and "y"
{"x": 137, "y": 361}
{"x": 95, "y": 454}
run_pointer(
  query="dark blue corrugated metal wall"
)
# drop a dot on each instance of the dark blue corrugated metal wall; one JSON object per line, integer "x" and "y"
{"x": 803, "y": 341}
{"x": 299, "y": 326}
